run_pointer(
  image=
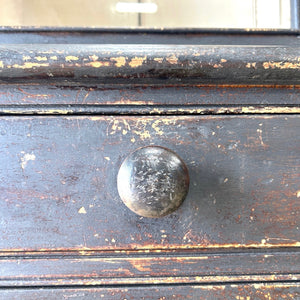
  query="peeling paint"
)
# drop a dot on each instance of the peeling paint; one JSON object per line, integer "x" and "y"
{"x": 120, "y": 61}
{"x": 172, "y": 59}
{"x": 98, "y": 64}
{"x": 1, "y": 64}
{"x": 217, "y": 66}
{"x": 281, "y": 65}
{"x": 82, "y": 210}
{"x": 210, "y": 287}
{"x": 30, "y": 65}
{"x": 71, "y": 58}
{"x": 158, "y": 59}
{"x": 156, "y": 128}
{"x": 137, "y": 61}
{"x": 54, "y": 57}
{"x": 156, "y": 111}
{"x": 26, "y": 57}
{"x": 143, "y": 134}
{"x": 41, "y": 58}
{"x": 117, "y": 126}
{"x": 26, "y": 158}
{"x": 251, "y": 65}
{"x": 93, "y": 57}
{"x": 270, "y": 109}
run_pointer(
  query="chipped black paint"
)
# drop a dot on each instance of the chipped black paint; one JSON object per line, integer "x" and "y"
{"x": 149, "y": 64}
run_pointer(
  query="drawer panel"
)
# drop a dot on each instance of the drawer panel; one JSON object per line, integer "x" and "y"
{"x": 58, "y": 182}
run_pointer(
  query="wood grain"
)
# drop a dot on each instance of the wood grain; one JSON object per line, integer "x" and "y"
{"x": 58, "y": 182}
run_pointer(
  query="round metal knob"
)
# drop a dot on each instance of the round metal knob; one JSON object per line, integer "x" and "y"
{"x": 153, "y": 181}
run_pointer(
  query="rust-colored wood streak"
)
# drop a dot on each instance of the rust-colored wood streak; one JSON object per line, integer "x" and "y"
{"x": 58, "y": 182}
{"x": 280, "y": 291}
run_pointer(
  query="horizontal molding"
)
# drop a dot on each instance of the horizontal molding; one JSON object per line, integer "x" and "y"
{"x": 167, "y": 95}
{"x": 83, "y": 281}
{"x": 149, "y": 269}
{"x": 146, "y": 109}
{"x": 150, "y": 64}
{"x": 248, "y": 31}
{"x": 254, "y": 290}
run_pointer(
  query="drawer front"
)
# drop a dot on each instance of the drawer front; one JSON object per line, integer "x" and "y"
{"x": 58, "y": 182}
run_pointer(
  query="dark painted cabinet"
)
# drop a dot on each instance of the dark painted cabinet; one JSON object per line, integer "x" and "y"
{"x": 73, "y": 108}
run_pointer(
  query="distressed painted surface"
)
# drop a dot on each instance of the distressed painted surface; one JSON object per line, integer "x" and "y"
{"x": 62, "y": 222}
{"x": 280, "y": 291}
{"x": 244, "y": 182}
{"x": 17, "y": 35}
{"x": 163, "y": 267}
{"x": 224, "y": 95}
{"x": 150, "y": 64}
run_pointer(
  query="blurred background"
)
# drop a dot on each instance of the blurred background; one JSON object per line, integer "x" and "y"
{"x": 149, "y": 14}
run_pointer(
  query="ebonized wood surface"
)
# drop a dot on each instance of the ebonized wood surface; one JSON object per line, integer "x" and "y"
{"x": 226, "y": 102}
{"x": 58, "y": 182}
{"x": 278, "y": 291}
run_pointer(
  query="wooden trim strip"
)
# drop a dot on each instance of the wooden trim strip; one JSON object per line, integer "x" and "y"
{"x": 143, "y": 30}
{"x": 149, "y": 269}
{"x": 133, "y": 281}
{"x": 146, "y": 109}
{"x": 155, "y": 64}
{"x": 288, "y": 290}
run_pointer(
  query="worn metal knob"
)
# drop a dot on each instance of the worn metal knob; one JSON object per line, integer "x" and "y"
{"x": 153, "y": 181}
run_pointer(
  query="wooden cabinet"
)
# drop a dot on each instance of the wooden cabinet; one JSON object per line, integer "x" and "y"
{"x": 70, "y": 114}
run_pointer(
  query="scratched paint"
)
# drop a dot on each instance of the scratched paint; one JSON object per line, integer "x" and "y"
{"x": 268, "y": 204}
{"x": 158, "y": 59}
{"x": 70, "y": 58}
{"x": 30, "y": 65}
{"x": 82, "y": 210}
{"x": 25, "y": 158}
{"x": 119, "y": 61}
{"x": 98, "y": 64}
{"x": 281, "y": 65}
{"x": 172, "y": 59}
{"x": 137, "y": 61}
{"x": 41, "y": 58}
{"x": 251, "y": 65}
